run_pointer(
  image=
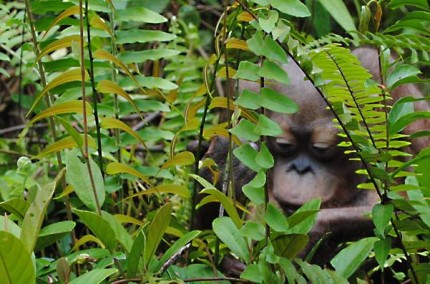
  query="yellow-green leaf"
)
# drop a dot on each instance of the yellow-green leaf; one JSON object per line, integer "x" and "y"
{"x": 65, "y": 14}
{"x": 99, "y": 23}
{"x": 103, "y": 54}
{"x": 107, "y": 86}
{"x": 119, "y": 168}
{"x": 165, "y": 188}
{"x": 66, "y": 77}
{"x": 128, "y": 219}
{"x": 85, "y": 239}
{"x": 110, "y": 122}
{"x": 65, "y": 143}
{"x": 62, "y": 108}
{"x": 180, "y": 159}
{"x": 237, "y": 44}
{"x": 59, "y": 43}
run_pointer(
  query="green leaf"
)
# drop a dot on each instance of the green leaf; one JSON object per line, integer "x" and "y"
{"x": 276, "y": 219}
{"x": 423, "y": 4}
{"x": 114, "y": 168}
{"x": 246, "y": 154}
{"x": 99, "y": 226}
{"x": 247, "y": 71}
{"x": 95, "y": 276}
{"x": 52, "y": 233}
{"x": 9, "y": 226}
{"x": 36, "y": 213}
{"x": 291, "y": 7}
{"x": 137, "y": 250}
{"x": 249, "y": 99}
{"x": 264, "y": 157}
{"x": 139, "y": 14}
{"x": 289, "y": 245}
{"x": 267, "y": 127}
{"x": 179, "y": 244}
{"x": 230, "y": 235}
{"x": 400, "y": 73}
{"x": 254, "y": 231}
{"x": 156, "y": 230}
{"x": 275, "y": 101}
{"x": 16, "y": 265}
{"x": 227, "y": 203}
{"x": 348, "y": 260}
{"x": 121, "y": 233}
{"x": 142, "y": 36}
{"x": 273, "y": 71}
{"x": 254, "y": 190}
{"x": 268, "y": 23}
{"x": 256, "y": 43}
{"x": 79, "y": 178}
{"x": 63, "y": 108}
{"x": 340, "y": 13}
{"x": 245, "y": 129}
{"x": 382, "y": 248}
{"x": 274, "y": 51}
{"x": 381, "y": 216}
{"x": 252, "y": 273}
{"x": 17, "y": 206}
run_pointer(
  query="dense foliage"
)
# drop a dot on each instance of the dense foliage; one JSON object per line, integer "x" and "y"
{"x": 100, "y": 182}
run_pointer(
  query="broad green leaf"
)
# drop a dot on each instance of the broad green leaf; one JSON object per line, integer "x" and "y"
{"x": 78, "y": 176}
{"x": 267, "y": 127}
{"x": 249, "y": 99}
{"x": 407, "y": 119}
{"x": 95, "y": 276}
{"x": 74, "y": 10}
{"x": 65, "y": 77}
{"x": 63, "y": 108}
{"x": 142, "y": 36}
{"x": 136, "y": 252}
{"x": 275, "y": 101}
{"x": 17, "y": 206}
{"x": 245, "y": 129}
{"x": 273, "y": 71}
{"x": 65, "y": 143}
{"x": 340, "y": 13}
{"x": 268, "y": 23}
{"x": 129, "y": 57}
{"x": 99, "y": 226}
{"x": 165, "y": 188}
{"x": 230, "y": 235}
{"x": 252, "y": 273}
{"x": 256, "y": 43}
{"x": 103, "y": 54}
{"x": 52, "y": 233}
{"x": 302, "y": 221}
{"x": 36, "y": 214}
{"x": 9, "y": 226}
{"x": 276, "y": 219}
{"x": 254, "y": 231}
{"x": 423, "y": 4}
{"x": 197, "y": 270}
{"x": 114, "y": 168}
{"x": 246, "y": 154}
{"x": 274, "y": 51}
{"x": 156, "y": 230}
{"x": 149, "y": 82}
{"x": 264, "y": 157}
{"x": 204, "y": 183}
{"x": 400, "y": 73}
{"x": 289, "y": 245}
{"x": 121, "y": 233}
{"x": 381, "y": 216}
{"x": 179, "y": 244}
{"x": 247, "y": 71}
{"x": 16, "y": 265}
{"x": 110, "y": 122}
{"x": 291, "y": 7}
{"x": 254, "y": 190}
{"x": 139, "y": 14}
{"x": 227, "y": 203}
{"x": 180, "y": 159}
{"x": 382, "y": 248}
{"x": 401, "y": 107}
{"x": 348, "y": 260}
{"x": 59, "y": 43}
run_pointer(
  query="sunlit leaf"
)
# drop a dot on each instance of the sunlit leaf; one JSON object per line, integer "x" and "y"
{"x": 236, "y": 44}
{"x": 65, "y": 77}
{"x": 99, "y": 23}
{"x": 140, "y": 14}
{"x": 114, "y": 168}
{"x": 74, "y": 10}
{"x": 180, "y": 159}
{"x": 65, "y": 143}
{"x": 59, "y": 43}
{"x": 110, "y": 122}
{"x": 291, "y": 7}
{"x": 165, "y": 188}
{"x": 230, "y": 235}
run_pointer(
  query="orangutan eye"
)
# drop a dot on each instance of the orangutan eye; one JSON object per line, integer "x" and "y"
{"x": 284, "y": 145}
{"x": 323, "y": 149}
